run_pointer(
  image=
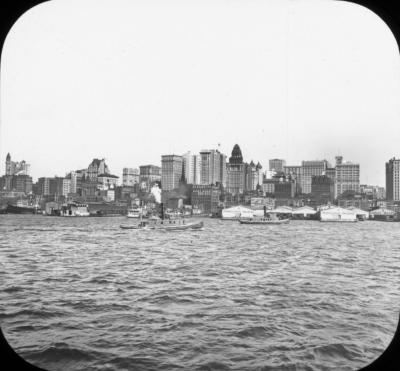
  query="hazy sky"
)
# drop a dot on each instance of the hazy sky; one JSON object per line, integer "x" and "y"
{"x": 130, "y": 80}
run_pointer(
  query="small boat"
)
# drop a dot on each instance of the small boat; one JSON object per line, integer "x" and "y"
{"x": 181, "y": 226}
{"x": 264, "y": 221}
{"x": 142, "y": 225}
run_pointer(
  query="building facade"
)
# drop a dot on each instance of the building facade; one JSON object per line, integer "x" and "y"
{"x": 236, "y": 171}
{"x": 171, "y": 172}
{"x": 15, "y": 167}
{"x": 277, "y": 165}
{"x": 393, "y": 179}
{"x": 310, "y": 169}
{"x": 322, "y": 189}
{"x": 191, "y": 168}
{"x": 97, "y": 167}
{"x": 347, "y": 177}
{"x": 213, "y": 167}
{"x": 148, "y": 176}
{"x": 206, "y": 198}
{"x": 130, "y": 176}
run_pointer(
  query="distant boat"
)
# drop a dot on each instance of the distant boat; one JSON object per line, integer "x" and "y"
{"x": 74, "y": 209}
{"x": 264, "y": 221}
{"x": 134, "y": 213}
{"x": 14, "y": 209}
{"x": 170, "y": 226}
{"x": 182, "y": 226}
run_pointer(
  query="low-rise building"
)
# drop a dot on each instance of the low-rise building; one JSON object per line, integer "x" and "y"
{"x": 206, "y": 198}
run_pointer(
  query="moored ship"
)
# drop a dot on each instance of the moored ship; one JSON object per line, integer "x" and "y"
{"x": 22, "y": 207}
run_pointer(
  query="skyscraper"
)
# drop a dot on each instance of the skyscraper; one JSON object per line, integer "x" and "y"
{"x": 213, "y": 167}
{"x": 191, "y": 168}
{"x": 236, "y": 172}
{"x": 393, "y": 180}
{"x": 15, "y": 167}
{"x": 171, "y": 171}
{"x": 347, "y": 177}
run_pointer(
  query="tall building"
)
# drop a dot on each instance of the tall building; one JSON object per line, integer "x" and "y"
{"x": 255, "y": 176}
{"x": 236, "y": 171}
{"x": 347, "y": 177}
{"x": 393, "y": 179}
{"x": 192, "y": 168}
{"x": 171, "y": 171}
{"x": 73, "y": 181}
{"x": 16, "y": 168}
{"x": 322, "y": 189}
{"x": 277, "y": 164}
{"x": 130, "y": 176}
{"x": 213, "y": 167}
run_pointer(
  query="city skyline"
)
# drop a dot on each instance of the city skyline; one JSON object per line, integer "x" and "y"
{"x": 265, "y": 167}
{"x": 283, "y": 82}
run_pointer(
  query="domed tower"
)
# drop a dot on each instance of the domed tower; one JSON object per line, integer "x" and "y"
{"x": 8, "y": 164}
{"x": 236, "y": 157}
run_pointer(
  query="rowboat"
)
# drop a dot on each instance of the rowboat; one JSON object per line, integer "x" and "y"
{"x": 264, "y": 221}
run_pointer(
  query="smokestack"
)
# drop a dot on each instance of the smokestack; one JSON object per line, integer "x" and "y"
{"x": 162, "y": 211}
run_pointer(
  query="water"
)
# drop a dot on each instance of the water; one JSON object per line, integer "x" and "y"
{"x": 82, "y": 294}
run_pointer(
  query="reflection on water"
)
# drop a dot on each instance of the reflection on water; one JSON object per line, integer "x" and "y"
{"x": 82, "y": 294}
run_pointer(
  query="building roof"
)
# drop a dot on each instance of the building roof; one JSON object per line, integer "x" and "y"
{"x": 282, "y": 210}
{"x": 304, "y": 210}
{"x": 107, "y": 176}
{"x": 238, "y": 208}
{"x": 337, "y": 210}
{"x": 358, "y": 211}
{"x": 236, "y": 156}
{"x": 96, "y": 162}
{"x": 382, "y": 211}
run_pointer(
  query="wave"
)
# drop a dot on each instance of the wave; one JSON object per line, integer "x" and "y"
{"x": 253, "y": 331}
{"x": 12, "y": 289}
{"x": 39, "y": 313}
{"x": 213, "y": 365}
{"x": 338, "y": 350}
{"x": 58, "y": 353}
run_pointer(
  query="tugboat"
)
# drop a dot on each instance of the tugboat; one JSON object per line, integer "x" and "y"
{"x": 165, "y": 224}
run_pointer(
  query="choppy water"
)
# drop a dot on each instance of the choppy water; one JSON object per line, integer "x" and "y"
{"x": 82, "y": 294}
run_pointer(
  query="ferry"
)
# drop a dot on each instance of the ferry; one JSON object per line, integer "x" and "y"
{"x": 135, "y": 213}
{"x": 166, "y": 225}
{"x": 74, "y": 209}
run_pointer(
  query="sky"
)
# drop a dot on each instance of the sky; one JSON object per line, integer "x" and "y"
{"x": 130, "y": 80}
